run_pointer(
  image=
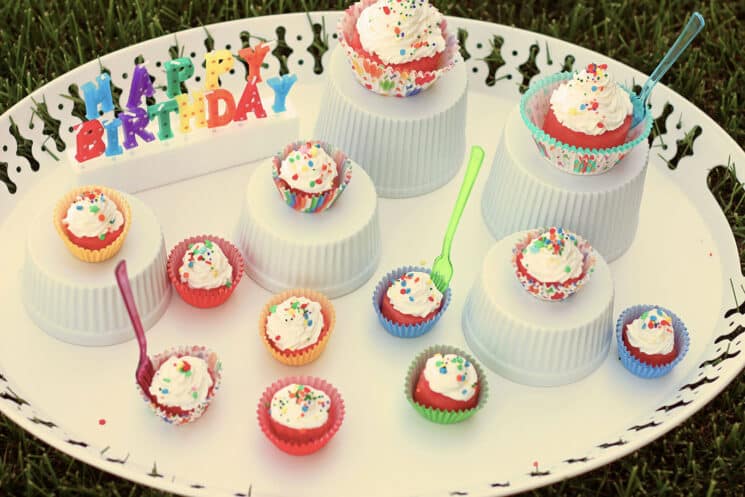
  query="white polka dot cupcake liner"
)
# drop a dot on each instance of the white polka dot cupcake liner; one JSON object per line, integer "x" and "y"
{"x": 385, "y": 80}
{"x": 553, "y": 291}
{"x": 534, "y": 106}
{"x": 312, "y": 203}
{"x": 637, "y": 367}
{"x": 172, "y": 414}
{"x": 405, "y": 330}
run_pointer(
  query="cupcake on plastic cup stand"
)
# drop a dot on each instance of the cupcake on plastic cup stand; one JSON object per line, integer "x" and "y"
{"x": 651, "y": 340}
{"x": 185, "y": 382}
{"x": 296, "y": 325}
{"x": 300, "y": 414}
{"x": 93, "y": 222}
{"x": 407, "y": 302}
{"x": 311, "y": 175}
{"x": 445, "y": 385}
{"x": 205, "y": 270}
{"x": 397, "y": 48}
{"x": 581, "y": 122}
{"x": 552, "y": 263}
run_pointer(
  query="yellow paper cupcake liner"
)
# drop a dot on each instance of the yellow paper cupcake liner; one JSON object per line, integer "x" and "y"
{"x": 84, "y": 254}
{"x": 290, "y": 358}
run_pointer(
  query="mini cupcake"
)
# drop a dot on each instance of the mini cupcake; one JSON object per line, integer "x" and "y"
{"x": 93, "y": 221}
{"x": 185, "y": 382}
{"x": 397, "y": 47}
{"x": 590, "y": 110}
{"x": 296, "y": 325}
{"x": 651, "y": 340}
{"x": 310, "y": 176}
{"x": 552, "y": 264}
{"x": 407, "y": 302}
{"x": 300, "y": 414}
{"x": 445, "y": 385}
{"x": 581, "y": 122}
{"x": 205, "y": 270}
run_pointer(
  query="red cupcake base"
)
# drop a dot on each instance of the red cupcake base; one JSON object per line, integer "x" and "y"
{"x": 427, "y": 397}
{"x": 608, "y": 139}
{"x": 649, "y": 359}
{"x": 386, "y": 307}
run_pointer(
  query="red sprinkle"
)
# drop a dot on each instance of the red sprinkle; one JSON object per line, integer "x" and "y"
{"x": 387, "y": 10}
{"x": 101, "y": 421}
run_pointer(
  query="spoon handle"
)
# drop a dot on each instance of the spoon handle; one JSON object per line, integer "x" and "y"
{"x": 692, "y": 28}
{"x": 474, "y": 165}
{"x": 122, "y": 279}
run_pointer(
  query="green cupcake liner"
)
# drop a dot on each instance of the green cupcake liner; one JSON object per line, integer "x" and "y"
{"x": 438, "y": 415}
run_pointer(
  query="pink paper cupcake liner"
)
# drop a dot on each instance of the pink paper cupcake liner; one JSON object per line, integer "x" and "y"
{"x": 175, "y": 416}
{"x": 336, "y": 413}
{"x": 553, "y": 291}
{"x": 312, "y": 203}
{"x": 199, "y": 297}
{"x": 385, "y": 80}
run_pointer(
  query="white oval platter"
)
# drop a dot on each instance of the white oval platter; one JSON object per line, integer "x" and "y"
{"x": 684, "y": 257}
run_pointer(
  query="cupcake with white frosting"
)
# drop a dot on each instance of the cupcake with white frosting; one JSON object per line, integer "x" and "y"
{"x": 296, "y": 325}
{"x": 311, "y": 175}
{"x": 300, "y": 414}
{"x": 397, "y": 47}
{"x": 205, "y": 270}
{"x": 445, "y": 385}
{"x": 186, "y": 380}
{"x": 651, "y": 340}
{"x": 407, "y": 302}
{"x": 93, "y": 222}
{"x": 552, "y": 263}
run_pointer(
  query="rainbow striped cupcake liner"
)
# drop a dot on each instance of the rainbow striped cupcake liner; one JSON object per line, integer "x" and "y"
{"x": 407, "y": 330}
{"x": 637, "y": 367}
{"x": 534, "y": 106}
{"x": 311, "y": 203}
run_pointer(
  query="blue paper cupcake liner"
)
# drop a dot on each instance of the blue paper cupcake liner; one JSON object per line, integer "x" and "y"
{"x": 398, "y": 330}
{"x": 637, "y": 367}
{"x": 534, "y": 106}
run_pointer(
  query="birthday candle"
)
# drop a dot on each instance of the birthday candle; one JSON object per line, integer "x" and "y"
{"x": 254, "y": 57}
{"x": 112, "y": 137}
{"x": 214, "y": 117}
{"x": 194, "y": 110}
{"x": 281, "y": 86}
{"x": 162, "y": 112}
{"x": 134, "y": 124}
{"x": 177, "y": 71}
{"x": 89, "y": 141}
{"x": 97, "y": 94}
{"x": 218, "y": 62}
{"x": 141, "y": 86}
{"x": 250, "y": 102}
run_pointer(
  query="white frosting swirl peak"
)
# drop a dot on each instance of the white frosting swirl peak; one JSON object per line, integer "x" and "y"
{"x": 93, "y": 214}
{"x": 553, "y": 257}
{"x": 401, "y": 31}
{"x": 205, "y": 266}
{"x": 309, "y": 169}
{"x": 295, "y": 323}
{"x": 182, "y": 382}
{"x": 452, "y": 376}
{"x": 414, "y": 294}
{"x": 591, "y": 103}
{"x": 300, "y": 407}
{"x": 652, "y": 332}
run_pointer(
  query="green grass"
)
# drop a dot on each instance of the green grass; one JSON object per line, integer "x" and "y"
{"x": 704, "y": 457}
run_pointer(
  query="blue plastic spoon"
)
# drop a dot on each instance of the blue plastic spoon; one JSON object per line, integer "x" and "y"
{"x": 693, "y": 28}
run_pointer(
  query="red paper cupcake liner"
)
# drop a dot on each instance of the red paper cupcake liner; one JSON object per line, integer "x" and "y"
{"x": 199, "y": 297}
{"x": 336, "y": 414}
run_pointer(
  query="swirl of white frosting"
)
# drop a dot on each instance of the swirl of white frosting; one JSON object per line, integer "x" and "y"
{"x": 300, "y": 407}
{"x": 309, "y": 169}
{"x": 553, "y": 257}
{"x": 205, "y": 266}
{"x": 400, "y": 31}
{"x": 414, "y": 294}
{"x": 295, "y": 323}
{"x": 93, "y": 214}
{"x": 652, "y": 332}
{"x": 182, "y": 382}
{"x": 591, "y": 103}
{"x": 452, "y": 376}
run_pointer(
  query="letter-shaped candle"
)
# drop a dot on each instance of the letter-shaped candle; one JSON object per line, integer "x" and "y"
{"x": 195, "y": 110}
{"x": 162, "y": 111}
{"x": 250, "y": 102}
{"x": 218, "y": 62}
{"x": 89, "y": 141}
{"x": 281, "y": 86}
{"x": 141, "y": 86}
{"x": 134, "y": 124}
{"x": 97, "y": 94}
{"x": 112, "y": 137}
{"x": 254, "y": 57}
{"x": 215, "y": 119}
{"x": 177, "y": 71}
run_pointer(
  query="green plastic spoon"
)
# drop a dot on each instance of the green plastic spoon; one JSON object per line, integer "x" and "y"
{"x": 442, "y": 268}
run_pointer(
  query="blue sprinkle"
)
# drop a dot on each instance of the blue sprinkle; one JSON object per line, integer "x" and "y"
{"x": 467, "y": 364}
{"x": 594, "y": 88}
{"x": 583, "y": 107}
{"x": 443, "y": 370}
{"x": 403, "y": 282}
{"x": 653, "y": 318}
{"x": 411, "y": 299}
{"x": 310, "y": 322}
{"x": 79, "y": 207}
{"x": 402, "y": 52}
{"x": 305, "y": 408}
{"x": 464, "y": 392}
{"x": 191, "y": 264}
{"x": 164, "y": 391}
{"x": 408, "y": 290}
{"x": 310, "y": 163}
